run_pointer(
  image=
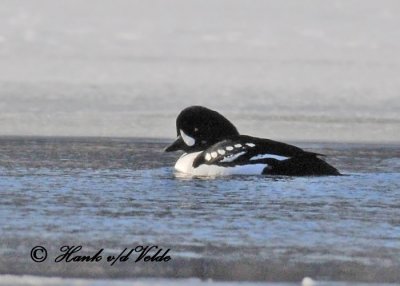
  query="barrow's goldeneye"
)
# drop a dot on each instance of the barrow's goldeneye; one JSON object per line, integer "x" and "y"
{"x": 214, "y": 147}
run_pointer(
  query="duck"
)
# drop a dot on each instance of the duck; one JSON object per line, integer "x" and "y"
{"x": 212, "y": 146}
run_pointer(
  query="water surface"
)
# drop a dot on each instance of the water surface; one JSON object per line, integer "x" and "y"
{"x": 117, "y": 193}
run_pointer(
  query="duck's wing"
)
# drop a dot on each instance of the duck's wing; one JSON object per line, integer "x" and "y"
{"x": 242, "y": 149}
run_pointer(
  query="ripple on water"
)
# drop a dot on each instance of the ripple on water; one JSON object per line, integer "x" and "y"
{"x": 260, "y": 222}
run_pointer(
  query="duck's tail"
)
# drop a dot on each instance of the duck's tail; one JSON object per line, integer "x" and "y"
{"x": 306, "y": 165}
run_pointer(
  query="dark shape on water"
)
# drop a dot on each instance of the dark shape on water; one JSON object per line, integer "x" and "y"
{"x": 206, "y": 126}
{"x": 218, "y": 144}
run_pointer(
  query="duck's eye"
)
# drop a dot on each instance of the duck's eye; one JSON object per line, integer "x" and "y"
{"x": 196, "y": 129}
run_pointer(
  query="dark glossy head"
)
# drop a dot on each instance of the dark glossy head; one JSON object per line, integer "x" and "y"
{"x": 198, "y": 128}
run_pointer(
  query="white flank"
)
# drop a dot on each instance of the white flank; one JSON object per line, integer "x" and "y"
{"x": 232, "y": 157}
{"x": 185, "y": 165}
{"x": 307, "y": 281}
{"x": 186, "y": 138}
{"x": 268, "y": 156}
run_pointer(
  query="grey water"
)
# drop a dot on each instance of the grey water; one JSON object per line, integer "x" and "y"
{"x": 117, "y": 193}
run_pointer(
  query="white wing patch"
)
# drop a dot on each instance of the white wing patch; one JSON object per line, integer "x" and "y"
{"x": 232, "y": 157}
{"x": 185, "y": 165}
{"x": 268, "y": 156}
{"x": 186, "y": 138}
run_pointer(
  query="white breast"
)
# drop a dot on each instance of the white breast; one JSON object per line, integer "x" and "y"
{"x": 185, "y": 165}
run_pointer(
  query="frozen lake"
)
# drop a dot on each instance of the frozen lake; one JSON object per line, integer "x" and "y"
{"x": 280, "y": 69}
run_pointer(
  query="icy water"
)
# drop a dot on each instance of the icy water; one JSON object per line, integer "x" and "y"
{"x": 281, "y": 69}
{"x": 115, "y": 193}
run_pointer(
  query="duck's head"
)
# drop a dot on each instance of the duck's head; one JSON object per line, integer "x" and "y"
{"x": 198, "y": 128}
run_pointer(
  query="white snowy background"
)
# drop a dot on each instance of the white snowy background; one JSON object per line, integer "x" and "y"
{"x": 289, "y": 70}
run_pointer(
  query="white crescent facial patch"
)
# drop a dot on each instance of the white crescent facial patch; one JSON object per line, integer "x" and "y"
{"x": 186, "y": 138}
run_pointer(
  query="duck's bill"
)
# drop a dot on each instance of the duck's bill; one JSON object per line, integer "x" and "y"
{"x": 178, "y": 144}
